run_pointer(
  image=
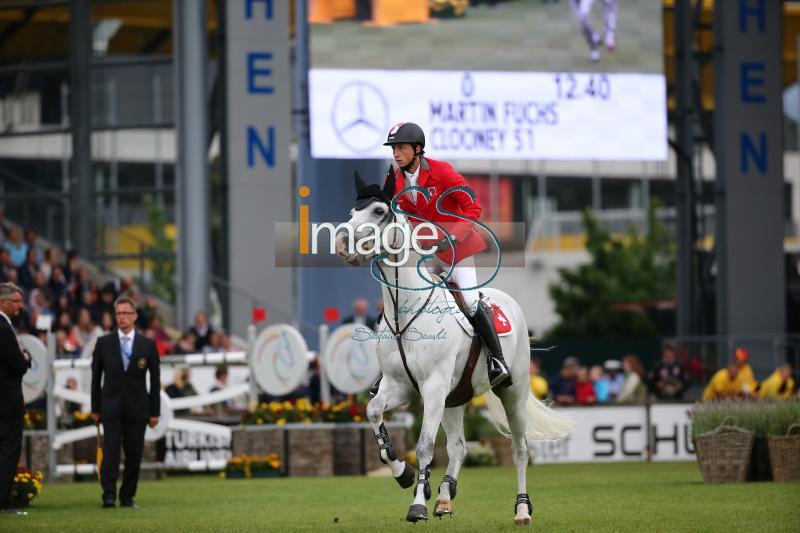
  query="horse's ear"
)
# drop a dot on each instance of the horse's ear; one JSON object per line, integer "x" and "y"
{"x": 388, "y": 185}
{"x": 360, "y": 183}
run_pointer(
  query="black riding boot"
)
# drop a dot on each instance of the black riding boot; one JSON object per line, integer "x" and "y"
{"x": 483, "y": 322}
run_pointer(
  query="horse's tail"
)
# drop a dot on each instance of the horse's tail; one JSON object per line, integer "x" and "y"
{"x": 543, "y": 422}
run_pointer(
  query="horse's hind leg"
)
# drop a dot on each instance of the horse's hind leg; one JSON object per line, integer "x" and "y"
{"x": 514, "y": 401}
{"x": 387, "y": 399}
{"x": 453, "y": 424}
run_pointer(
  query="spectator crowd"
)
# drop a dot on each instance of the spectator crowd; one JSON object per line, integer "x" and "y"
{"x": 627, "y": 382}
{"x": 78, "y": 307}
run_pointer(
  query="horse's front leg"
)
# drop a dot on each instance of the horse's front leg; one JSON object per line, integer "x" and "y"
{"x": 453, "y": 424}
{"x": 389, "y": 396}
{"x": 433, "y": 398}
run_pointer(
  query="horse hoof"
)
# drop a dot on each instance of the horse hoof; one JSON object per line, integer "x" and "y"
{"x": 522, "y": 519}
{"x": 442, "y": 508}
{"x": 416, "y": 513}
{"x": 407, "y": 478}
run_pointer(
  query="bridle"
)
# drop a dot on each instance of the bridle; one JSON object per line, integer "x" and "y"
{"x": 395, "y": 297}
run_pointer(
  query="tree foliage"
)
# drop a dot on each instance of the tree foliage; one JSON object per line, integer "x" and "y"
{"x": 606, "y": 296}
{"x": 163, "y": 282}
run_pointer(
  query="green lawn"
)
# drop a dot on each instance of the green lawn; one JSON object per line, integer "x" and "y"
{"x": 526, "y": 35}
{"x": 580, "y": 498}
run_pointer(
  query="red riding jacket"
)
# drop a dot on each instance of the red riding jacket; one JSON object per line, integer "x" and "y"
{"x": 437, "y": 177}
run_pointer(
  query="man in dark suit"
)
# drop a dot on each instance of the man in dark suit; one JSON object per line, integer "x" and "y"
{"x": 360, "y": 316}
{"x": 14, "y": 362}
{"x": 120, "y": 362}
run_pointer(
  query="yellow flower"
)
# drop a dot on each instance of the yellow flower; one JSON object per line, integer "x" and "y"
{"x": 39, "y": 474}
{"x": 274, "y": 406}
{"x": 356, "y": 418}
{"x": 306, "y": 421}
{"x": 30, "y": 495}
{"x": 264, "y": 405}
{"x": 260, "y": 421}
{"x": 281, "y": 421}
{"x": 287, "y": 405}
{"x": 222, "y": 474}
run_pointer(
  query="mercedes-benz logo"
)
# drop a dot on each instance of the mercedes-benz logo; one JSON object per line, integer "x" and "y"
{"x": 360, "y": 116}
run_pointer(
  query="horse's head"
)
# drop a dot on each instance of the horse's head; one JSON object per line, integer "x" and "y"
{"x": 371, "y": 213}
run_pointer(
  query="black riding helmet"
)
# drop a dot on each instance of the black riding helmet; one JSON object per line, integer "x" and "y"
{"x": 406, "y": 132}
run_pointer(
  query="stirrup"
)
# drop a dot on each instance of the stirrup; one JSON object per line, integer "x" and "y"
{"x": 498, "y": 373}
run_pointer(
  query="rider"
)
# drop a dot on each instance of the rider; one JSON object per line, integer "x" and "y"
{"x": 407, "y": 141}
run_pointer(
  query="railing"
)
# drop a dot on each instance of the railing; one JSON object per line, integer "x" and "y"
{"x": 564, "y": 231}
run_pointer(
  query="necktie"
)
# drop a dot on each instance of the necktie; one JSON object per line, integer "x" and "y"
{"x": 126, "y": 352}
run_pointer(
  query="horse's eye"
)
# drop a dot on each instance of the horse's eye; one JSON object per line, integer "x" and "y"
{"x": 379, "y": 211}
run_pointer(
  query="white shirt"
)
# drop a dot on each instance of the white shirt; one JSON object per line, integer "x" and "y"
{"x": 411, "y": 179}
{"x": 130, "y": 337}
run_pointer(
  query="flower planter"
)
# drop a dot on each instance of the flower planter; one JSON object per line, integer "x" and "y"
{"x": 310, "y": 452}
{"x": 724, "y": 454}
{"x": 784, "y": 454}
{"x": 348, "y": 451}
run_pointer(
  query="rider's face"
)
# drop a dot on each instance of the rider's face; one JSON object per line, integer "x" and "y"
{"x": 403, "y": 154}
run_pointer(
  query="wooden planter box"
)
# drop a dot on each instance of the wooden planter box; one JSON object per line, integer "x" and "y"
{"x": 316, "y": 450}
{"x": 304, "y": 449}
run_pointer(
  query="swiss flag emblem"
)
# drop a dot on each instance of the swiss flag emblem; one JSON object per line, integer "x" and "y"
{"x": 501, "y": 323}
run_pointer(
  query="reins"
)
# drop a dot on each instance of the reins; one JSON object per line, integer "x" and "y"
{"x": 397, "y": 332}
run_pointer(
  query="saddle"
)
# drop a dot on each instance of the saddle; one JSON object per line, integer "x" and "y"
{"x": 463, "y": 391}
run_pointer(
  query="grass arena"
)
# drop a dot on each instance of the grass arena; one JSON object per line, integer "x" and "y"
{"x": 616, "y": 497}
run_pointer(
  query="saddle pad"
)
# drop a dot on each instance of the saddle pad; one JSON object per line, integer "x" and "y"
{"x": 501, "y": 323}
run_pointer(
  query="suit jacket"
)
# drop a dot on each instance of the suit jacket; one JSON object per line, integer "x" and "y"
{"x": 12, "y": 367}
{"x": 437, "y": 177}
{"x": 124, "y": 393}
{"x": 368, "y": 321}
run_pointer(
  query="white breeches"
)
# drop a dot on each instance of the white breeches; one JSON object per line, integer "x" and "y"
{"x": 463, "y": 275}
